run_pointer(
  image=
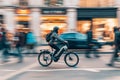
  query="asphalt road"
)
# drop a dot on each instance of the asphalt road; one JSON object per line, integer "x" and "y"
{"x": 87, "y": 69}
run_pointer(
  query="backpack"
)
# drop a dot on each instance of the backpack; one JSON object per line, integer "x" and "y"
{"x": 48, "y": 36}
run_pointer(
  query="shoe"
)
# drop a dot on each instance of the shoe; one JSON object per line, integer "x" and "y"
{"x": 110, "y": 64}
{"x": 56, "y": 59}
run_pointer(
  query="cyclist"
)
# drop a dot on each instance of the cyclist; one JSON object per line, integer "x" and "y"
{"x": 57, "y": 43}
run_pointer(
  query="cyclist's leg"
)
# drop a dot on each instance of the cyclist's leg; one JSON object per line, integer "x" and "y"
{"x": 56, "y": 50}
{"x": 54, "y": 47}
{"x": 61, "y": 51}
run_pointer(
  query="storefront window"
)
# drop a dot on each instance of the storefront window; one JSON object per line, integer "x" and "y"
{"x": 22, "y": 23}
{"x": 22, "y": 18}
{"x": 23, "y": 2}
{"x": 53, "y": 2}
{"x": 104, "y": 27}
{"x": 101, "y": 27}
{"x": 96, "y": 3}
{"x": 22, "y": 11}
{"x": 83, "y": 26}
{"x": 48, "y": 22}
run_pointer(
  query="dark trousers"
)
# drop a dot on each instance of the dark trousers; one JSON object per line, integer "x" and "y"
{"x": 58, "y": 50}
{"x": 19, "y": 53}
{"x": 114, "y": 56}
{"x": 91, "y": 48}
{"x": 6, "y": 54}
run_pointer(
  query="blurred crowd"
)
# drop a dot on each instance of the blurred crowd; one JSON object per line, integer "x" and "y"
{"x": 14, "y": 43}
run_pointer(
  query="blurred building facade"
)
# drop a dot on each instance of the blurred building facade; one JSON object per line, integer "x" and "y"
{"x": 70, "y": 15}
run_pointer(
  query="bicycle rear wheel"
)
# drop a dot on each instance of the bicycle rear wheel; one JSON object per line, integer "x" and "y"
{"x": 71, "y": 59}
{"x": 44, "y": 58}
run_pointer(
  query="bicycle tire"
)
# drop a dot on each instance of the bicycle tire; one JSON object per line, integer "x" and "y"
{"x": 67, "y": 55}
{"x": 45, "y": 52}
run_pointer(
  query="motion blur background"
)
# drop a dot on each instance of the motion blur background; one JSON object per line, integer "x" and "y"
{"x": 41, "y": 16}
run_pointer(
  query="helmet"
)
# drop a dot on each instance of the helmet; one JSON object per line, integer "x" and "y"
{"x": 56, "y": 28}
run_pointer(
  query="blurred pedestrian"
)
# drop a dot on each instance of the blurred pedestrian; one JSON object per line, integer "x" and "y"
{"x": 5, "y": 46}
{"x": 117, "y": 46}
{"x": 31, "y": 42}
{"x": 18, "y": 45}
{"x": 91, "y": 45}
{"x": 0, "y": 39}
{"x": 23, "y": 38}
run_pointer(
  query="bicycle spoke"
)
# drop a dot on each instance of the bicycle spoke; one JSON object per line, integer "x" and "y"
{"x": 44, "y": 58}
{"x": 71, "y": 59}
{"x": 46, "y": 62}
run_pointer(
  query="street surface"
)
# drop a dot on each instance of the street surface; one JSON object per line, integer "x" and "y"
{"x": 87, "y": 69}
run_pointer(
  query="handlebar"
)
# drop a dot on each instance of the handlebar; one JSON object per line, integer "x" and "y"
{"x": 66, "y": 42}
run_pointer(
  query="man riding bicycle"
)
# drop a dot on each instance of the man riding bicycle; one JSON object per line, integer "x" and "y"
{"x": 60, "y": 46}
{"x": 57, "y": 43}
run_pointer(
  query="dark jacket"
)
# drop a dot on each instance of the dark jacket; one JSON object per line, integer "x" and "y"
{"x": 4, "y": 40}
{"x": 117, "y": 39}
{"x": 89, "y": 36}
{"x": 56, "y": 40}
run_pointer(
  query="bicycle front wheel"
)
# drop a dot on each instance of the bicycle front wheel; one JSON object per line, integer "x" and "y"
{"x": 71, "y": 59}
{"x": 44, "y": 58}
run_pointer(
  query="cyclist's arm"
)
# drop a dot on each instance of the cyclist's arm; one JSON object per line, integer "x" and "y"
{"x": 58, "y": 38}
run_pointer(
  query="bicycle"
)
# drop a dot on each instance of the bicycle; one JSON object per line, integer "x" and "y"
{"x": 45, "y": 57}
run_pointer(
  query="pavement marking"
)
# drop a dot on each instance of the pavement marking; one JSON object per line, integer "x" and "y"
{"x": 75, "y": 69}
{"x": 10, "y": 62}
{"x": 8, "y": 76}
{"x": 53, "y": 70}
{"x": 65, "y": 69}
{"x": 7, "y": 70}
{"x": 27, "y": 69}
{"x": 92, "y": 70}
